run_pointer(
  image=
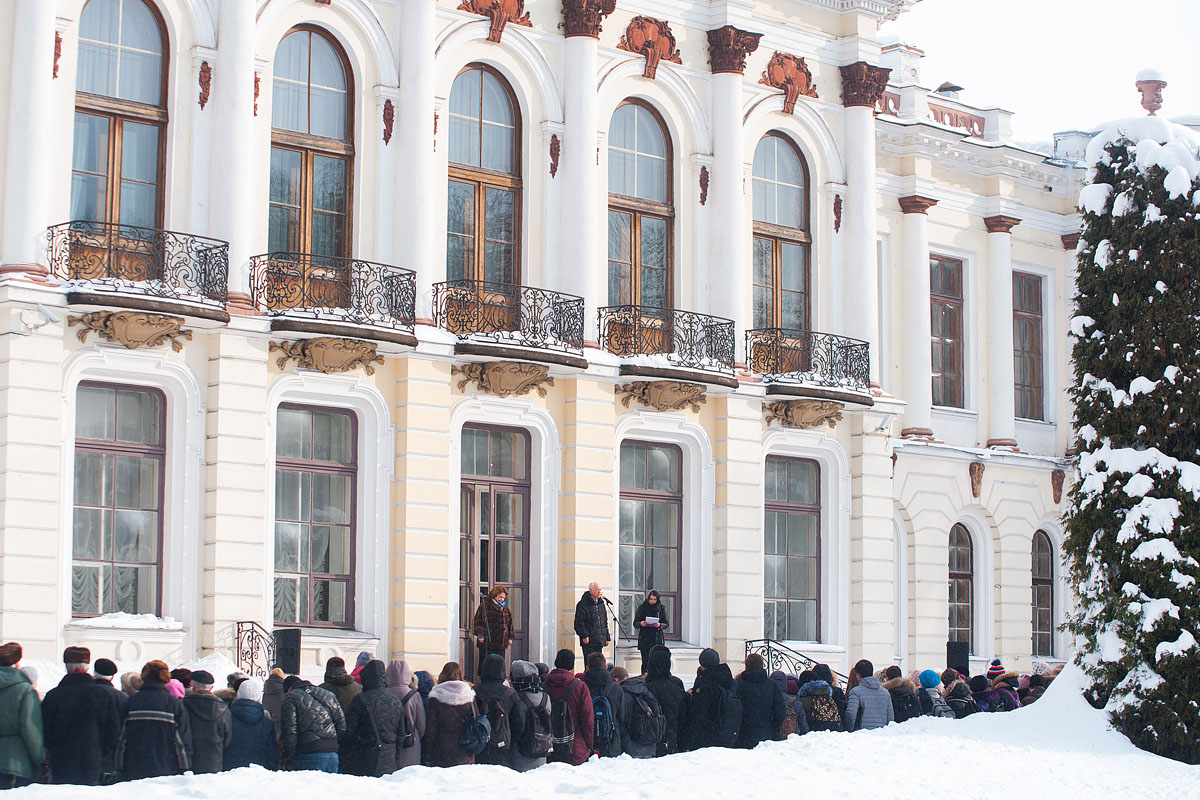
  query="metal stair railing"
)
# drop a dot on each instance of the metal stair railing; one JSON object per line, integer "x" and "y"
{"x": 779, "y": 656}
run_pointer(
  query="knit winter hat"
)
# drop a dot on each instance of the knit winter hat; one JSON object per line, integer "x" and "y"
{"x": 175, "y": 688}
{"x": 363, "y": 658}
{"x": 930, "y": 679}
{"x": 104, "y": 667}
{"x": 1041, "y": 668}
{"x": 995, "y": 670}
{"x": 9, "y": 654}
{"x": 979, "y": 684}
{"x": 565, "y": 659}
{"x": 709, "y": 658}
{"x": 250, "y": 689}
{"x": 77, "y": 655}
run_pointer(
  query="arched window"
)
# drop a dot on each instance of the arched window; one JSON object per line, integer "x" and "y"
{"x": 962, "y": 586}
{"x": 781, "y": 239}
{"x": 640, "y": 208}
{"x": 650, "y": 530}
{"x": 312, "y": 147}
{"x": 792, "y": 550}
{"x": 120, "y": 115}
{"x": 1043, "y": 595}
{"x": 484, "y": 188}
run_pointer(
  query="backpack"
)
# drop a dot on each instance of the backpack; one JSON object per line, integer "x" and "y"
{"x": 408, "y": 736}
{"x": 727, "y": 722}
{"x": 562, "y": 724}
{"x": 536, "y": 740}
{"x": 501, "y": 737}
{"x": 906, "y": 706}
{"x": 603, "y": 721}
{"x": 476, "y": 733}
{"x": 824, "y": 714}
{"x": 937, "y": 704}
{"x": 788, "y": 726}
{"x": 647, "y": 725}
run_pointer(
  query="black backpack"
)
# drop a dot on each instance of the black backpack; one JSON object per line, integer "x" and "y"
{"x": 604, "y": 721}
{"x": 501, "y": 734}
{"x": 906, "y": 706}
{"x": 476, "y": 733}
{"x": 727, "y": 723}
{"x": 408, "y": 736}
{"x": 536, "y": 740}
{"x": 647, "y": 725}
{"x": 562, "y": 724}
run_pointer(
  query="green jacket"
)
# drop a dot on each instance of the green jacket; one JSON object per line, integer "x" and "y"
{"x": 20, "y": 725}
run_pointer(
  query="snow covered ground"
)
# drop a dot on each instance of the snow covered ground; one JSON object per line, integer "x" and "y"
{"x": 1058, "y": 748}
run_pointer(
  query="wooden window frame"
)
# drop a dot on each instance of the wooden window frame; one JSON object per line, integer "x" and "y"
{"x": 639, "y": 208}
{"x": 814, "y": 509}
{"x": 673, "y": 631}
{"x": 136, "y": 450}
{"x": 483, "y": 179}
{"x": 968, "y": 577}
{"x": 327, "y": 468}
{"x": 1034, "y": 395}
{"x": 779, "y": 235}
{"x": 954, "y": 379}
{"x": 311, "y": 146}
{"x": 1047, "y": 581}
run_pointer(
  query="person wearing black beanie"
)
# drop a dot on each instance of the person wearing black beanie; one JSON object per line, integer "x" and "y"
{"x": 565, "y": 659}
{"x": 671, "y": 696}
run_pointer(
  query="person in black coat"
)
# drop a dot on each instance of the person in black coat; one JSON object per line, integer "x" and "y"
{"x": 253, "y": 740}
{"x": 375, "y": 726}
{"x": 208, "y": 716}
{"x": 491, "y": 693}
{"x": 650, "y": 635}
{"x": 822, "y": 672}
{"x": 105, "y": 671}
{"x": 157, "y": 739}
{"x": 591, "y": 621}
{"x": 600, "y": 684}
{"x": 762, "y": 703}
{"x": 81, "y": 723}
{"x": 672, "y": 697}
{"x": 705, "y": 727}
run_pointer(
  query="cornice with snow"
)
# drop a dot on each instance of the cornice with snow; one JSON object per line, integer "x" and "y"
{"x": 884, "y": 10}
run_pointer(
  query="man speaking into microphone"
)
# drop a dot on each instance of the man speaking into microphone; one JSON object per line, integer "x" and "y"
{"x": 591, "y": 621}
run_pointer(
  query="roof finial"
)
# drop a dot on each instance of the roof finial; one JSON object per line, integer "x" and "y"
{"x": 1150, "y": 83}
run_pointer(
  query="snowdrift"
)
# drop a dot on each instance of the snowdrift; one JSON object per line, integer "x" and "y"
{"x": 1059, "y": 748}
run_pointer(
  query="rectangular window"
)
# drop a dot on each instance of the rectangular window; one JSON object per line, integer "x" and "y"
{"x": 651, "y": 520}
{"x": 117, "y": 519}
{"x": 316, "y": 473}
{"x": 1028, "y": 380}
{"x": 792, "y": 550}
{"x": 946, "y": 327}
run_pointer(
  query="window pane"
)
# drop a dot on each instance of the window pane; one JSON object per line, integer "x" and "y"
{"x": 95, "y": 412}
{"x": 140, "y": 75}
{"x": 501, "y": 223}
{"x": 93, "y": 479}
{"x": 331, "y": 437}
{"x": 620, "y": 258}
{"x": 633, "y": 466}
{"x": 329, "y": 184}
{"x": 497, "y": 148}
{"x": 136, "y": 482}
{"x": 293, "y": 437}
{"x": 460, "y": 231}
{"x": 802, "y": 482}
{"x": 287, "y": 547}
{"x": 330, "y": 498}
{"x": 652, "y": 178}
{"x": 139, "y": 30}
{"x": 327, "y": 110}
{"x": 85, "y": 589}
{"x": 88, "y": 526}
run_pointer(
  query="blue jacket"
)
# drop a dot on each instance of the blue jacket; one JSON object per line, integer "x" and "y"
{"x": 253, "y": 740}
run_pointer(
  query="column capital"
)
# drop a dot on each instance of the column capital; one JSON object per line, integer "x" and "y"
{"x": 916, "y": 204}
{"x": 1070, "y": 240}
{"x": 584, "y": 17}
{"x": 728, "y": 47}
{"x": 1001, "y": 224}
{"x": 863, "y": 84}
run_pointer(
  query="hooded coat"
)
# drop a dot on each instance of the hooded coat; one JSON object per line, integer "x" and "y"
{"x": 635, "y": 687}
{"x": 905, "y": 703}
{"x": 762, "y": 707}
{"x": 958, "y": 697}
{"x": 579, "y": 705}
{"x": 342, "y": 684}
{"x": 672, "y": 698}
{"x": 491, "y": 693}
{"x": 375, "y": 726}
{"x": 312, "y": 722}
{"x": 81, "y": 723}
{"x": 424, "y": 686}
{"x": 591, "y": 621}
{"x": 399, "y": 683}
{"x": 211, "y": 730}
{"x": 157, "y": 737}
{"x": 272, "y": 699}
{"x": 703, "y": 716}
{"x": 20, "y": 725}
{"x": 527, "y": 686}
{"x": 451, "y": 706}
{"x": 806, "y": 698}
{"x": 600, "y": 683}
{"x": 868, "y": 706}
{"x": 649, "y": 636}
{"x": 253, "y": 737}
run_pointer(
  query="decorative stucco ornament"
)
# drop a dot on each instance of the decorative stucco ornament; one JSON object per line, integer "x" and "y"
{"x": 133, "y": 329}
{"x": 328, "y": 354}
{"x": 505, "y": 378}
{"x": 663, "y": 395}
{"x": 805, "y": 413}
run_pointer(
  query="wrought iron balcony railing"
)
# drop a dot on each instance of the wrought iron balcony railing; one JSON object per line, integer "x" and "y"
{"x": 510, "y": 314}
{"x": 821, "y": 359}
{"x": 780, "y": 656}
{"x": 684, "y": 338}
{"x": 105, "y": 257}
{"x": 331, "y": 289}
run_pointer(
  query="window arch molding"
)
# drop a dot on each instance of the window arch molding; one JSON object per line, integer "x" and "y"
{"x": 983, "y": 581}
{"x": 777, "y": 242}
{"x": 673, "y": 98}
{"x": 807, "y": 131}
{"x": 376, "y": 448}
{"x": 352, "y": 23}
{"x": 517, "y": 59}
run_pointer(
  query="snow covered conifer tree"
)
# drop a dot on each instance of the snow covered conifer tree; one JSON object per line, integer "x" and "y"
{"x": 1133, "y": 540}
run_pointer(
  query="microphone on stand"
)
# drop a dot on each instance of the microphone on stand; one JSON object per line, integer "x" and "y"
{"x": 605, "y": 599}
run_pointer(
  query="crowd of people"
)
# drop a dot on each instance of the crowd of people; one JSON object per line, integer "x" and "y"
{"x": 96, "y": 728}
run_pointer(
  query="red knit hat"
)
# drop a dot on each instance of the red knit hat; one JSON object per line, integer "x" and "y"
{"x": 995, "y": 670}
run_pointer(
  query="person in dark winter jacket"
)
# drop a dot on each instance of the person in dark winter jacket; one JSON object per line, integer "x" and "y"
{"x": 762, "y": 704}
{"x": 105, "y": 670}
{"x": 312, "y": 725}
{"x": 81, "y": 722}
{"x": 957, "y": 694}
{"x": 1006, "y": 685}
{"x": 157, "y": 739}
{"x": 493, "y": 698}
{"x": 564, "y": 687}
{"x": 822, "y": 672}
{"x": 932, "y": 702}
{"x": 672, "y": 698}
{"x": 591, "y": 621}
{"x": 338, "y": 681}
{"x": 424, "y": 680}
{"x": 905, "y": 703}
{"x": 492, "y": 626}
{"x": 794, "y": 720}
{"x": 1037, "y": 687}
{"x": 815, "y": 699}
{"x": 986, "y": 699}
{"x": 451, "y": 706}
{"x": 208, "y": 717}
{"x": 640, "y": 702}
{"x": 600, "y": 684}
{"x": 253, "y": 738}
{"x": 650, "y": 634}
{"x": 400, "y": 684}
{"x": 532, "y": 704}
{"x": 272, "y": 697}
{"x": 869, "y": 704}
{"x": 711, "y": 691}
{"x": 21, "y": 738}
{"x": 375, "y": 726}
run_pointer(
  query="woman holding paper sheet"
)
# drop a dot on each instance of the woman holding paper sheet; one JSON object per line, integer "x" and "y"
{"x": 650, "y": 620}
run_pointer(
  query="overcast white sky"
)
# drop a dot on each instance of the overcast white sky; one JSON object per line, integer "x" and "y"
{"x": 1058, "y": 64}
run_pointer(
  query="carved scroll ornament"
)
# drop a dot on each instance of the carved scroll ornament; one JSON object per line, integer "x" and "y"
{"x": 652, "y": 38}
{"x": 555, "y": 153}
{"x": 805, "y": 413}
{"x": 789, "y": 73}
{"x": 704, "y": 179}
{"x": 133, "y": 329}
{"x": 500, "y": 12}
{"x": 663, "y": 395}
{"x": 837, "y": 213}
{"x": 205, "y": 83}
{"x": 328, "y": 354}
{"x": 389, "y": 119}
{"x": 975, "y": 470}
{"x": 1057, "y": 477}
{"x": 57, "y": 52}
{"x": 863, "y": 84}
{"x": 584, "y": 17}
{"x": 728, "y": 47}
{"x": 505, "y": 378}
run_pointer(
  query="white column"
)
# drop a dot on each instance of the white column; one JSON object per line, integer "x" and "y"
{"x": 1002, "y": 429}
{"x": 727, "y": 219}
{"x": 233, "y": 177}
{"x": 415, "y": 206}
{"x": 916, "y": 352}
{"x": 30, "y": 154}
{"x": 579, "y": 269}
{"x": 862, "y": 267}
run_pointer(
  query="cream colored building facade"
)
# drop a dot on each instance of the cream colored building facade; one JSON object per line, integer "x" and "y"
{"x": 891, "y": 176}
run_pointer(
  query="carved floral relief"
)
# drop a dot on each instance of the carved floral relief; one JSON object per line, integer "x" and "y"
{"x": 863, "y": 84}
{"x": 652, "y": 38}
{"x": 975, "y": 470}
{"x": 663, "y": 395}
{"x": 505, "y": 378}
{"x": 205, "y": 83}
{"x": 133, "y": 329}
{"x": 328, "y": 354}
{"x": 789, "y": 73}
{"x": 805, "y": 413}
{"x": 728, "y": 47}
{"x": 500, "y": 12}
{"x": 584, "y": 17}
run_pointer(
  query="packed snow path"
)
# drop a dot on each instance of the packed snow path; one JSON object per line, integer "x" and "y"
{"x": 1058, "y": 748}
